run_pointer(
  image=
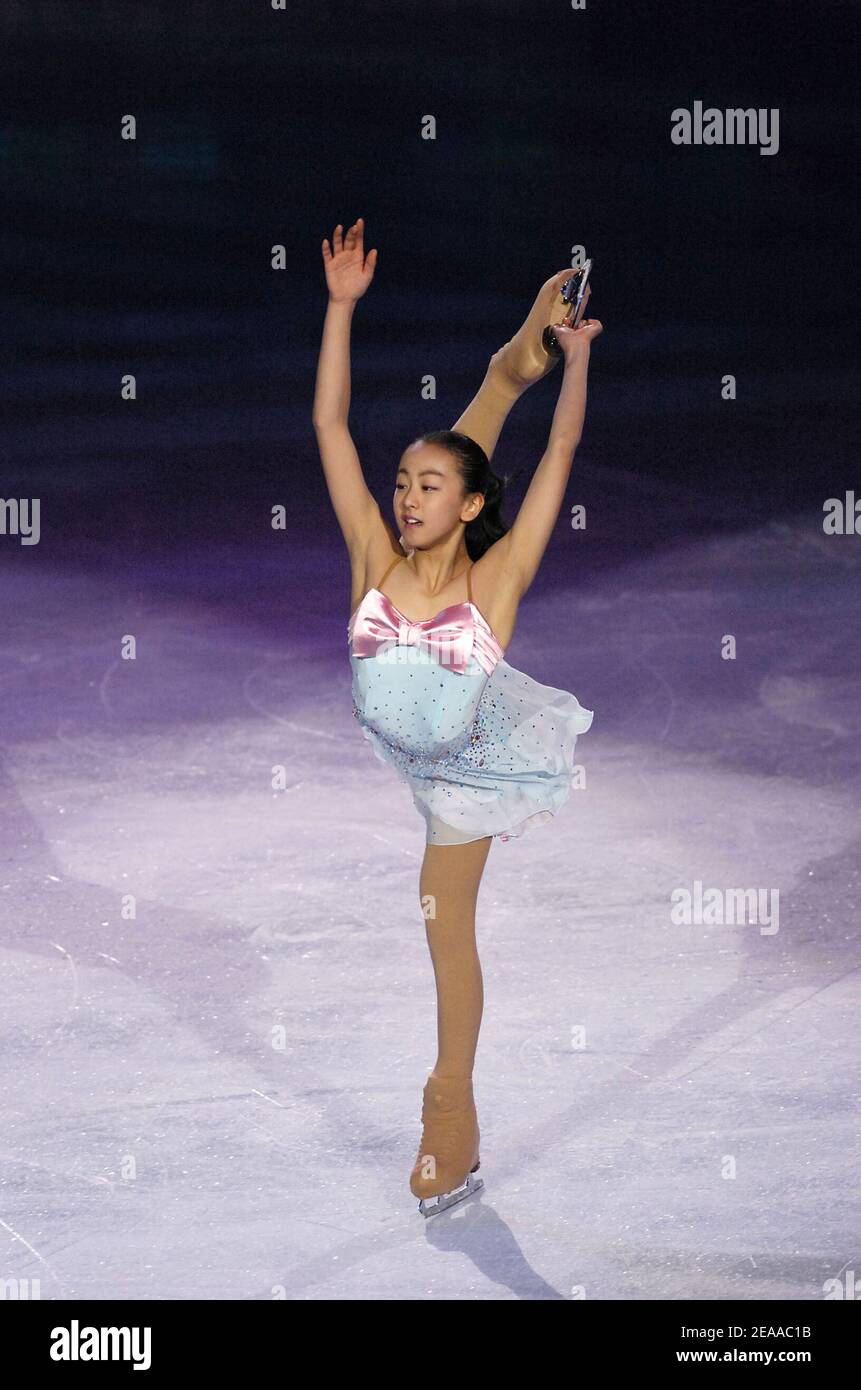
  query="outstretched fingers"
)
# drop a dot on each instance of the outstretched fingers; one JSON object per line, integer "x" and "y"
{"x": 336, "y": 246}
{"x": 354, "y": 240}
{"x": 355, "y": 235}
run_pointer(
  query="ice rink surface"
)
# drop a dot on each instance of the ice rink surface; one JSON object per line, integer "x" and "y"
{"x": 218, "y": 1003}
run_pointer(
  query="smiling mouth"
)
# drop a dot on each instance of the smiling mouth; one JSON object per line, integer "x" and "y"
{"x": 411, "y": 521}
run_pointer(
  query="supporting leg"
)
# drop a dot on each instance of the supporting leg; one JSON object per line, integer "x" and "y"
{"x": 451, "y": 874}
{"x": 449, "y": 1150}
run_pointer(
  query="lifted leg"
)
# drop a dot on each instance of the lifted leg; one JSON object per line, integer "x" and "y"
{"x": 514, "y": 367}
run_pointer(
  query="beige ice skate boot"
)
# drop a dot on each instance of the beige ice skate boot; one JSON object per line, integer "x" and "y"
{"x": 524, "y": 359}
{"x": 448, "y": 1153}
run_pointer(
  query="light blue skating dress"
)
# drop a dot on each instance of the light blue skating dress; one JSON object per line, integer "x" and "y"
{"x": 484, "y": 748}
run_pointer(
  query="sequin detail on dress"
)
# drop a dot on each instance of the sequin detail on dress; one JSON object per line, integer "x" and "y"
{"x": 484, "y": 748}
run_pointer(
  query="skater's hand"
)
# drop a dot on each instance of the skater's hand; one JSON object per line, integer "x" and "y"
{"x": 348, "y": 271}
{"x": 576, "y": 342}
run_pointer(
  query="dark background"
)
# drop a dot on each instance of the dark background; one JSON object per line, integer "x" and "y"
{"x": 258, "y": 127}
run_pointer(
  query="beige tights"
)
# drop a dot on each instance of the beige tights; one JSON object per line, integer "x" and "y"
{"x": 448, "y": 886}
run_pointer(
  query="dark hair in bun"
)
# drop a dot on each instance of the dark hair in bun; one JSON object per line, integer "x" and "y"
{"x": 477, "y": 476}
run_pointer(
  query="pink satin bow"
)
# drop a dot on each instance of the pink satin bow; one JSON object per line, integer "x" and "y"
{"x": 449, "y": 639}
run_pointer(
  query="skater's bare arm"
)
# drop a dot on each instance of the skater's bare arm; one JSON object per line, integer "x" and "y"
{"x": 348, "y": 275}
{"x": 342, "y": 467}
{"x": 530, "y": 533}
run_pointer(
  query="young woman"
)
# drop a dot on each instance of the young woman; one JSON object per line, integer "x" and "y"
{"x": 486, "y": 750}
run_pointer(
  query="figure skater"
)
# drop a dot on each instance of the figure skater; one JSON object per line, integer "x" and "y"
{"x": 486, "y": 751}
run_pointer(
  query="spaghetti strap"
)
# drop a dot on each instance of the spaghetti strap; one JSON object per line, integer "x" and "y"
{"x": 469, "y": 584}
{"x": 396, "y": 561}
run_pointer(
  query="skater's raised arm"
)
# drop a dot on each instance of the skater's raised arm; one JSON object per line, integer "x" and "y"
{"x": 526, "y": 541}
{"x": 348, "y": 275}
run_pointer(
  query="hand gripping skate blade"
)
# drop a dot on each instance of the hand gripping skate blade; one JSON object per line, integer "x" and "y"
{"x": 432, "y": 1206}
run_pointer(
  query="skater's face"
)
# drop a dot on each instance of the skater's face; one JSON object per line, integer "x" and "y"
{"x": 429, "y": 498}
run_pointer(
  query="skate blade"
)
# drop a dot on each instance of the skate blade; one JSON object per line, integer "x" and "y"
{"x": 432, "y": 1206}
